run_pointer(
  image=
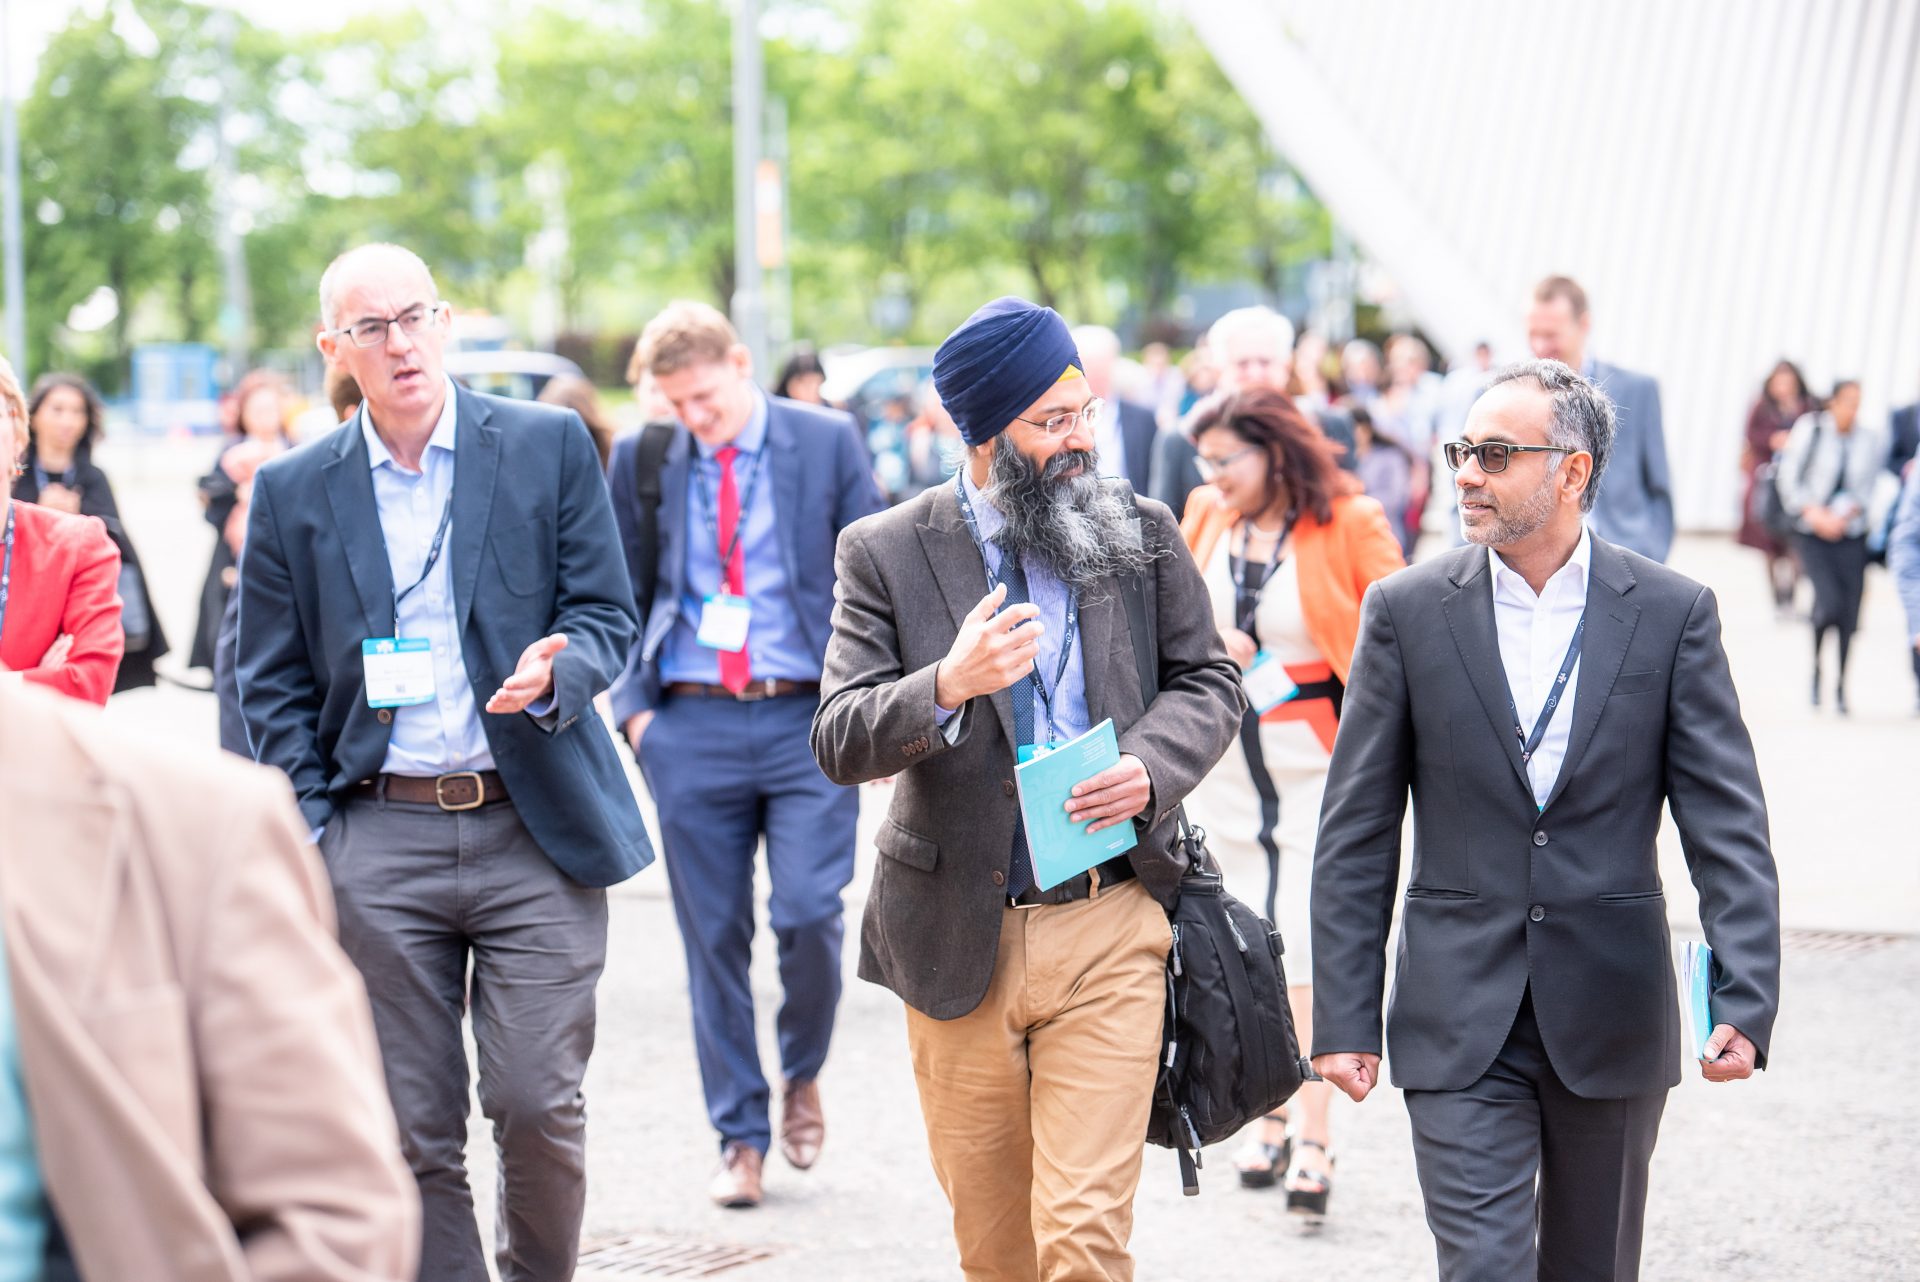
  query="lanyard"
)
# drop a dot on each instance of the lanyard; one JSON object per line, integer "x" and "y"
{"x": 1239, "y": 573}
{"x": 1530, "y": 743}
{"x": 711, "y": 512}
{"x": 6, "y": 571}
{"x": 433, "y": 557}
{"x": 993, "y": 581}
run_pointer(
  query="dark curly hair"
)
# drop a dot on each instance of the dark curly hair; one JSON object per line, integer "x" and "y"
{"x": 1297, "y": 450}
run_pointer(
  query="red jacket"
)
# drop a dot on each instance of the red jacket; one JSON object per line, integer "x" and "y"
{"x": 65, "y": 580}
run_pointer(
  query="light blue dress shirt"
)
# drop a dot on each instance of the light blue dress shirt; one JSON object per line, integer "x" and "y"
{"x": 1071, "y": 717}
{"x": 443, "y": 735}
{"x": 776, "y": 645}
{"x": 23, "y": 1207}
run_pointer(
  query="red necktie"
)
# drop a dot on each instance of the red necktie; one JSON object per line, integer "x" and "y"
{"x": 736, "y": 670}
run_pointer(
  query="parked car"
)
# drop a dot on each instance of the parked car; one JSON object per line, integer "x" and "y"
{"x": 864, "y": 379}
{"x": 520, "y": 375}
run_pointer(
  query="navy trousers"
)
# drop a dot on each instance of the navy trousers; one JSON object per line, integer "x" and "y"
{"x": 723, "y": 775}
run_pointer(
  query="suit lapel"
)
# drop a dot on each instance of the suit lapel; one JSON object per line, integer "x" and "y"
{"x": 1097, "y": 650}
{"x": 476, "y": 462}
{"x": 349, "y": 482}
{"x": 786, "y": 462}
{"x": 1470, "y": 618}
{"x": 962, "y": 576}
{"x": 1611, "y": 619}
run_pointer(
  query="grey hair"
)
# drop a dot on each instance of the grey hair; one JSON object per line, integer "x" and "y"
{"x": 1583, "y": 417}
{"x": 330, "y": 279}
{"x": 1252, "y": 319}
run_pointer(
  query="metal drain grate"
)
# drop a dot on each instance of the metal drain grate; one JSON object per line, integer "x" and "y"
{"x": 659, "y": 1257}
{"x": 1835, "y": 942}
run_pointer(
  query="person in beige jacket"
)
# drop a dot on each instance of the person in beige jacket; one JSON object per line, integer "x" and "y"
{"x": 196, "y": 1055}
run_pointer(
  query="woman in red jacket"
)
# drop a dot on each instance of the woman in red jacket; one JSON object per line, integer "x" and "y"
{"x": 59, "y": 575}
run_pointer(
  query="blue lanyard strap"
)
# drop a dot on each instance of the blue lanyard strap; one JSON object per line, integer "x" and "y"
{"x": 1238, "y": 572}
{"x": 1530, "y": 743}
{"x": 6, "y": 570}
{"x": 709, "y": 510}
{"x": 1017, "y": 579}
{"x": 433, "y": 557}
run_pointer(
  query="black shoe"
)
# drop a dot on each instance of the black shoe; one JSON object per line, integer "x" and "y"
{"x": 1311, "y": 1202}
{"x": 1262, "y": 1164}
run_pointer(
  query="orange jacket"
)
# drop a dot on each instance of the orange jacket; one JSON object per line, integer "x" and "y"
{"x": 66, "y": 580}
{"x": 1335, "y": 562}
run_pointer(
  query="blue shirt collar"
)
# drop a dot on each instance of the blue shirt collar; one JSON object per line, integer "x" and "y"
{"x": 986, "y": 516}
{"x": 751, "y": 437}
{"x": 443, "y": 431}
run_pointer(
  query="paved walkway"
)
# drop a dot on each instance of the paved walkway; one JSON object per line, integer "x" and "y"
{"x": 1810, "y": 1171}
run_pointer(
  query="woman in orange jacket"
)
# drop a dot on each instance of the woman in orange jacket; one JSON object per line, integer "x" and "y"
{"x": 1287, "y": 547}
{"x": 59, "y": 575}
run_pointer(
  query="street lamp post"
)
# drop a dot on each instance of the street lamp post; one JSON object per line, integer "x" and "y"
{"x": 749, "y": 304}
{"x": 16, "y": 277}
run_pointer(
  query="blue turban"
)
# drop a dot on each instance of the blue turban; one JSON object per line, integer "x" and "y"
{"x": 1003, "y": 359}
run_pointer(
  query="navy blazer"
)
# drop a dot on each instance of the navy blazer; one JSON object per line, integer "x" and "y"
{"x": 1635, "y": 505}
{"x": 532, "y": 552}
{"x": 821, "y": 484}
{"x": 1137, "y": 430}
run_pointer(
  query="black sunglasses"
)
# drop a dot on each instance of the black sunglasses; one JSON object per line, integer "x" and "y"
{"x": 1493, "y": 455}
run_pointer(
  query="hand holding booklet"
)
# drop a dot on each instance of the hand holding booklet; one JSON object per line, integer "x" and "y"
{"x": 1062, "y": 848}
{"x": 1696, "y": 986}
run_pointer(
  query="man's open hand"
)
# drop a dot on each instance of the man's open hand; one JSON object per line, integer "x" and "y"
{"x": 532, "y": 679}
{"x": 1354, "y": 1073}
{"x": 1112, "y": 797}
{"x": 992, "y": 651}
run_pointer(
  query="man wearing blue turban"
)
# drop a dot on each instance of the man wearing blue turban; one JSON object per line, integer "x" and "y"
{"x": 1033, "y": 1015}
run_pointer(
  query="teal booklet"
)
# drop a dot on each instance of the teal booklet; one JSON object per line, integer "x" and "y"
{"x": 1062, "y": 848}
{"x": 1696, "y": 985}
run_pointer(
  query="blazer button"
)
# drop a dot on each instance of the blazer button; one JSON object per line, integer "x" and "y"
{"x": 1539, "y": 838}
{"x": 1006, "y": 786}
{"x": 384, "y": 716}
{"x": 1537, "y": 913}
{"x": 999, "y": 879}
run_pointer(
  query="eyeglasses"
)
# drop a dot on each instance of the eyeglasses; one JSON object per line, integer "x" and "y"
{"x": 1493, "y": 455}
{"x": 1212, "y": 467}
{"x": 1060, "y": 424}
{"x": 372, "y": 332}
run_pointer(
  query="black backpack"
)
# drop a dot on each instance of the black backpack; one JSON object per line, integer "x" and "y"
{"x": 643, "y": 558}
{"x": 1229, "y": 1053}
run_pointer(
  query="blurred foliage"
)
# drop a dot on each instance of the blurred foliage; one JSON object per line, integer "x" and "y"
{"x": 1087, "y": 152}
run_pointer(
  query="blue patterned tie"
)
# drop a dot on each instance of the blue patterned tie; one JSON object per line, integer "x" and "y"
{"x": 1020, "y": 863}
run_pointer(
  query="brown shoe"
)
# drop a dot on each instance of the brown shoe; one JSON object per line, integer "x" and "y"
{"x": 803, "y": 1127}
{"x": 737, "y": 1183}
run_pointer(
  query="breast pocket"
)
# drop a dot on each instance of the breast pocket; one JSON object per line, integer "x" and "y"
{"x": 525, "y": 555}
{"x": 1637, "y": 682}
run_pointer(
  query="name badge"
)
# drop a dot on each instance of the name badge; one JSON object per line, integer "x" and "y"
{"x": 723, "y": 623}
{"x": 1267, "y": 683}
{"x": 399, "y": 671}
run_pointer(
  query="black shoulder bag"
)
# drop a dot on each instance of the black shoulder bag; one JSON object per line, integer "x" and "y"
{"x": 1229, "y": 1054}
{"x": 644, "y": 567}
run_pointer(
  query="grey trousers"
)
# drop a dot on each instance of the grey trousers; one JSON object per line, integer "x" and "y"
{"x": 1524, "y": 1179}
{"x": 443, "y": 911}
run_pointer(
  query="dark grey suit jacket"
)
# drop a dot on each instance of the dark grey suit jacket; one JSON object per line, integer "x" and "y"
{"x": 908, "y": 577}
{"x": 1503, "y": 895}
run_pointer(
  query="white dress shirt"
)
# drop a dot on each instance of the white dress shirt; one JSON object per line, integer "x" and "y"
{"x": 1534, "y": 633}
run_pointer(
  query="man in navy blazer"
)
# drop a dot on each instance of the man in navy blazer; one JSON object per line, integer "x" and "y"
{"x": 430, "y": 601}
{"x": 718, "y": 701}
{"x": 1634, "y": 508}
{"x": 1124, "y": 446}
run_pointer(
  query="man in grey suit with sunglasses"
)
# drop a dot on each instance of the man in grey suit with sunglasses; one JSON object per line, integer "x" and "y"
{"x": 1540, "y": 693}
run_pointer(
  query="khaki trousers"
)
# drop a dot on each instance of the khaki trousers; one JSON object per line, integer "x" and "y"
{"x": 1036, "y": 1102}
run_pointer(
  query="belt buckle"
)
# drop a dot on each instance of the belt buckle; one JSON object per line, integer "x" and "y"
{"x": 479, "y": 790}
{"x": 755, "y": 691}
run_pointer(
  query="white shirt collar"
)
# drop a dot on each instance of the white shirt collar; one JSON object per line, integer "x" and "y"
{"x": 443, "y": 430}
{"x": 1580, "y": 563}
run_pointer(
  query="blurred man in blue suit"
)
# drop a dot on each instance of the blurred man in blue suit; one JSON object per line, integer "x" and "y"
{"x": 429, "y": 603}
{"x": 718, "y": 699}
{"x": 1635, "y": 505}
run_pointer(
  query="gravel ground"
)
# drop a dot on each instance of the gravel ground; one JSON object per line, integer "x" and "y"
{"x": 1801, "y": 1173}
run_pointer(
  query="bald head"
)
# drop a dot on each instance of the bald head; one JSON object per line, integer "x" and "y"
{"x": 379, "y": 264}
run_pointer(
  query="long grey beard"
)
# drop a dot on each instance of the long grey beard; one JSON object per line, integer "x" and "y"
{"x": 1080, "y": 528}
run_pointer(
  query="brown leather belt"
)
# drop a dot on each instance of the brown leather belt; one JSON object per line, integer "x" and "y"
{"x": 771, "y": 688}
{"x": 461, "y": 790}
{"x": 1111, "y": 873}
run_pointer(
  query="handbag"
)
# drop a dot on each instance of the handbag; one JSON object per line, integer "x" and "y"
{"x": 1229, "y": 1053}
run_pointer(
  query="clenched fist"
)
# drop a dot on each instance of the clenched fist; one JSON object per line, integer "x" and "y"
{"x": 993, "y": 650}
